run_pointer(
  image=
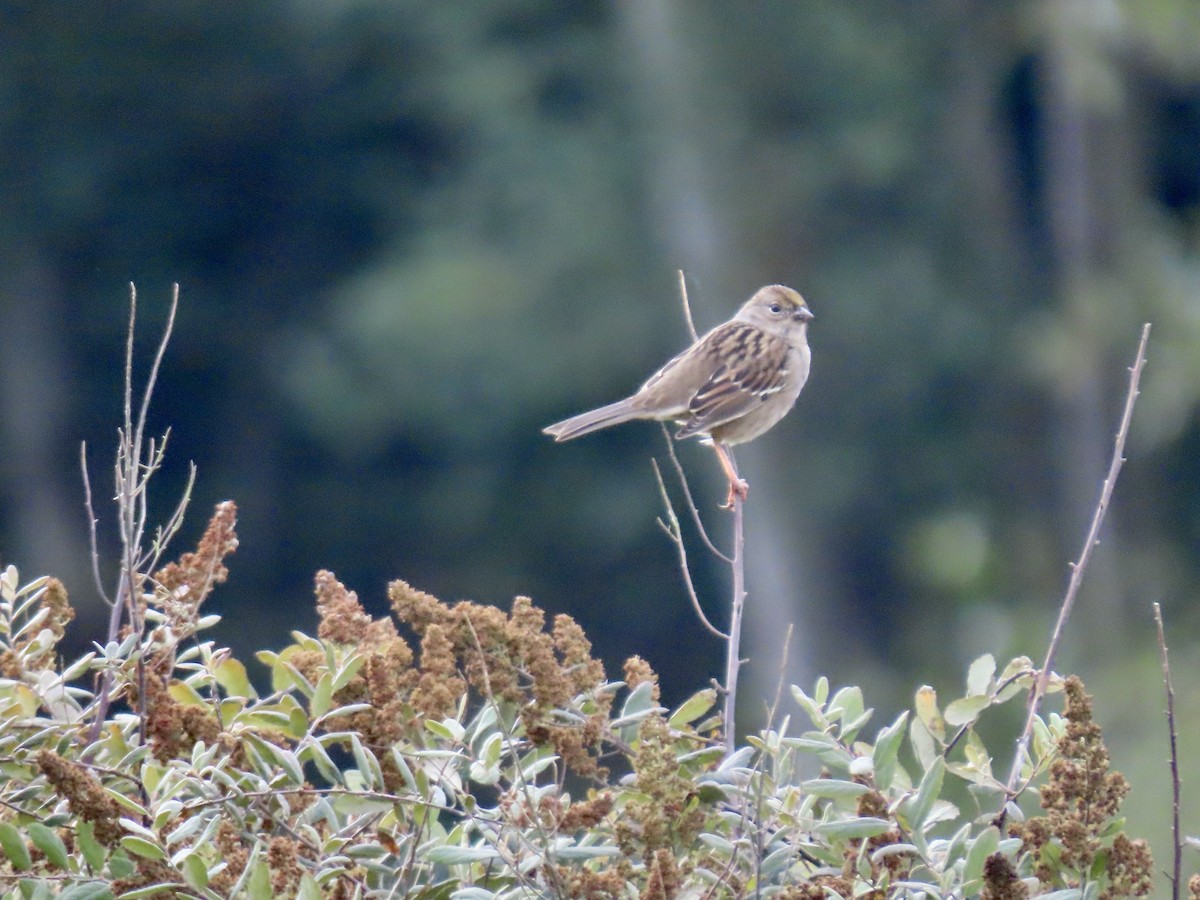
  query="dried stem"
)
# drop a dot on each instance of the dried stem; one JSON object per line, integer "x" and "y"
{"x": 91, "y": 514}
{"x": 1177, "y": 867}
{"x": 1078, "y": 568}
{"x": 687, "y": 493}
{"x": 733, "y": 659}
{"x": 137, "y": 460}
{"x": 671, "y": 527}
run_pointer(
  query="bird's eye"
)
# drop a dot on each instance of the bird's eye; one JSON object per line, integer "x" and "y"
{"x": 776, "y": 309}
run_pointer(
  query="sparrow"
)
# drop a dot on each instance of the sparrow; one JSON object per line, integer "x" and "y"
{"x": 730, "y": 386}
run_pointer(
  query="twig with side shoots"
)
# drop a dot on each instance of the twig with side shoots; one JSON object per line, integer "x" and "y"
{"x": 1077, "y": 570}
{"x": 138, "y": 458}
{"x": 687, "y": 493}
{"x": 733, "y": 659}
{"x": 1177, "y": 838}
{"x": 736, "y": 561}
{"x": 671, "y": 527}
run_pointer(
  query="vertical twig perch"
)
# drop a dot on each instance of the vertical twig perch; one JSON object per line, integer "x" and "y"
{"x": 736, "y": 561}
{"x": 733, "y": 658}
{"x": 1078, "y": 568}
{"x": 1177, "y": 837}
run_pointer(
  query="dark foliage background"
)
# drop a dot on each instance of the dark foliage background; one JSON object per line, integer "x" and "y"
{"x": 408, "y": 235}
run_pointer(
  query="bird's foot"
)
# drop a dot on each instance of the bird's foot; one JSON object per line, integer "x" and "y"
{"x": 737, "y": 488}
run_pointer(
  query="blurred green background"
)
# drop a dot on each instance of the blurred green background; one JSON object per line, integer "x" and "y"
{"x": 409, "y": 235}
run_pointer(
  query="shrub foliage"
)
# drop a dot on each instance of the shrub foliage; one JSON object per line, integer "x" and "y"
{"x": 461, "y": 751}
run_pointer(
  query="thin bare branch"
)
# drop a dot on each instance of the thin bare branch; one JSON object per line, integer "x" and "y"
{"x": 779, "y": 682}
{"x": 93, "y": 544}
{"x": 128, "y": 404}
{"x": 687, "y": 307}
{"x": 166, "y": 533}
{"x": 1078, "y": 568}
{"x": 1177, "y": 836}
{"x": 148, "y": 391}
{"x": 673, "y": 532}
{"x": 733, "y": 660}
{"x": 687, "y": 493}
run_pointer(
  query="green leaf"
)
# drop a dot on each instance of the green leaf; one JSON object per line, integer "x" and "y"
{"x": 811, "y": 707}
{"x": 640, "y": 700}
{"x": 258, "y": 886}
{"x": 48, "y": 841}
{"x": 582, "y": 853}
{"x": 183, "y": 693}
{"x": 926, "y": 707}
{"x": 14, "y": 847}
{"x": 195, "y": 871}
{"x": 492, "y": 748}
{"x": 981, "y": 848}
{"x": 846, "y": 705}
{"x": 347, "y": 672}
{"x": 886, "y": 751}
{"x": 864, "y": 827}
{"x": 979, "y": 675}
{"x": 157, "y": 890}
{"x": 922, "y": 743}
{"x": 88, "y": 890}
{"x": 322, "y": 698}
{"x": 368, "y": 765}
{"x": 821, "y": 691}
{"x": 966, "y": 710}
{"x": 917, "y": 808}
{"x": 93, "y": 853}
{"x": 324, "y": 763}
{"x": 453, "y": 856}
{"x": 444, "y": 731}
{"x": 309, "y": 889}
{"x": 139, "y": 846}
{"x": 834, "y": 788}
{"x": 977, "y": 755}
{"x": 231, "y": 675}
{"x": 1016, "y": 678}
{"x": 693, "y": 708}
{"x": 297, "y": 722}
{"x": 121, "y": 866}
{"x": 275, "y": 759}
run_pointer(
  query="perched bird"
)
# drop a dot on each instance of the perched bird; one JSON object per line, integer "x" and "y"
{"x": 732, "y": 385}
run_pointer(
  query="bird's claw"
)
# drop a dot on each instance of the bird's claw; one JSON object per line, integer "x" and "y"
{"x": 737, "y": 488}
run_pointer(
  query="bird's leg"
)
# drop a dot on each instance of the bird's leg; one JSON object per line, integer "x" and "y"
{"x": 737, "y": 487}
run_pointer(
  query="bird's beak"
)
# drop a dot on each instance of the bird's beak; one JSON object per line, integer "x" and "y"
{"x": 804, "y": 314}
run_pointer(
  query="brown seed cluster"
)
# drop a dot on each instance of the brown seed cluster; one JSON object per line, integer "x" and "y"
{"x": 1001, "y": 881}
{"x": 185, "y": 584}
{"x": 87, "y": 799}
{"x": 874, "y": 804}
{"x": 30, "y": 653}
{"x": 1081, "y": 798}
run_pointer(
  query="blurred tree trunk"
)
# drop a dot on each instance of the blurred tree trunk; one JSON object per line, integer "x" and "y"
{"x": 687, "y": 129}
{"x": 1075, "y": 178}
{"x": 46, "y": 516}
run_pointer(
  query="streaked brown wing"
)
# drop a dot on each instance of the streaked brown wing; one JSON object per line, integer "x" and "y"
{"x": 734, "y": 390}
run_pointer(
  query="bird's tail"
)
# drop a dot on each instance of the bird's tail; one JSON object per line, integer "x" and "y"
{"x": 593, "y": 420}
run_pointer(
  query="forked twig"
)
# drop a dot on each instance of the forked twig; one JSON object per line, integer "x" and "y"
{"x": 1177, "y": 838}
{"x": 736, "y": 562}
{"x": 1078, "y": 568}
{"x": 91, "y": 514}
{"x": 687, "y": 493}
{"x": 671, "y": 527}
{"x": 136, "y": 462}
